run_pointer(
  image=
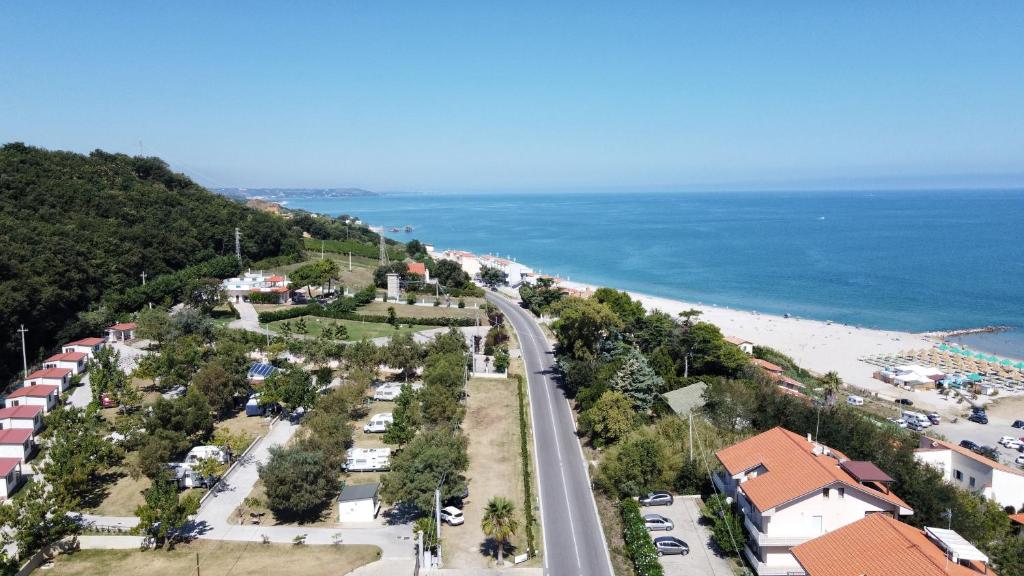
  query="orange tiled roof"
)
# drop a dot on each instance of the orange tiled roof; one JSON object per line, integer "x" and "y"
{"x": 766, "y": 365}
{"x": 942, "y": 444}
{"x": 50, "y": 373}
{"x": 417, "y": 268}
{"x": 737, "y": 340}
{"x": 1018, "y": 518}
{"x": 876, "y": 546}
{"x": 793, "y": 470}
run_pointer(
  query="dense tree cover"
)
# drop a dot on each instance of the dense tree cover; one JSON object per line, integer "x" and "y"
{"x": 172, "y": 428}
{"x": 609, "y": 419}
{"x": 493, "y": 277}
{"x": 299, "y": 483}
{"x": 406, "y": 418}
{"x": 539, "y": 297}
{"x": 323, "y": 227}
{"x": 165, "y": 511}
{"x": 37, "y": 518}
{"x": 319, "y": 273}
{"x": 77, "y": 454}
{"x": 77, "y": 230}
{"x": 292, "y": 389}
{"x": 418, "y": 469}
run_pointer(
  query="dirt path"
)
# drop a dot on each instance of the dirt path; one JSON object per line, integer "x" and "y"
{"x": 492, "y": 427}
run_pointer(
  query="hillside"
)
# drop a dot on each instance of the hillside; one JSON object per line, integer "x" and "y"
{"x": 77, "y": 230}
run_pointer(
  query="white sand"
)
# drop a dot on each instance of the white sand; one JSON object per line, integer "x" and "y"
{"x": 815, "y": 345}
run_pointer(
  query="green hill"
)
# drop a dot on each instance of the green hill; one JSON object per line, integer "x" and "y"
{"x": 78, "y": 230}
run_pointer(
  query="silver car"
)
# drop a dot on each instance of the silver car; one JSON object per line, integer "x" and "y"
{"x": 657, "y": 522}
{"x": 671, "y": 545}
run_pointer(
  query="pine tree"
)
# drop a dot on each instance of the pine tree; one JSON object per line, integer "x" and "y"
{"x": 405, "y": 418}
{"x": 637, "y": 380}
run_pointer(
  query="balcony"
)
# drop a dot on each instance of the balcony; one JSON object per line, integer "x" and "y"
{"x": 724, "y": 483}
{"x": 763, "y": 569}
{"x": 780, "y": 540}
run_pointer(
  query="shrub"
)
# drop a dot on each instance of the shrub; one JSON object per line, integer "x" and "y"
{"x": 264, "y": 298}
{"x": 524, "y": 456}
{"x": 298, "y": 483}
{"x": 639, "y": 546}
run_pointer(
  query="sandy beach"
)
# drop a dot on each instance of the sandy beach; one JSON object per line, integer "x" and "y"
{"x": 815, "y": 345}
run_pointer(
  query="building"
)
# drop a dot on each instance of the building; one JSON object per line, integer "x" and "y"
{"x": 746, "y": 345}
{"x": 878, "y": 545}
{"x": 16, "y": 443}
{"x": 88, "y": 346}
{"x": 767, "y": 366}
{"x": 74, "y": 361}
{"x": 359, "y": 503}
{"x": 971, "y": 471}
{"x": 240, "y": 288}
{"x": 514, "y": 270}
{"x": 44, "y": 395}
{"x": 685, "y": 400}
{"x": 791, "y": 490}
{"x": 59, "y": 377}
{"x": 468, "y": 261}
{"x": 23, "y": 417}
{"x": 10, "y": 477}
{"x": 420, "y": 269}
{"x": 121, "y": 331}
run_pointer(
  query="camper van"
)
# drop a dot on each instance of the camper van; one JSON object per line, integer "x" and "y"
{"x": 387, "y": 392}
{"x": 199, "y": 453}
{"x": 854, "y": 400}
{"x": 186, "y": 477}
{"x": 379, "y": 423}
{"x": 911, "y": 417}
{"x": 367, "y": 459}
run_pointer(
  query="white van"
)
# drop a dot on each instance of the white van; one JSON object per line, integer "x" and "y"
{"x": 854, "y": 400}
{"x": 379, "y": 423}
{"x": 911, "y": 417}
{"x": 195, "y": 455}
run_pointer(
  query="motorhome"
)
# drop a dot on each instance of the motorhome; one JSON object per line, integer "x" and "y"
{"x": 911, "y": 417}
{"x": 392, "y": 390}
{"x": 186, "y": 477}
{"x": 367, "y": 459}
{"x": 379, "y": 423}
{"x": 200, "y": 453}
{"x": 854, "y": 400}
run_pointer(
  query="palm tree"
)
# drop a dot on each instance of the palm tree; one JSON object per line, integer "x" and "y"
{"x": 831, "y": 383}
{"x": 499, "y": 522}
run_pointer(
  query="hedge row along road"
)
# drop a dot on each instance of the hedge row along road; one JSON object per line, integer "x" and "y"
{"x": 573, "y": 539}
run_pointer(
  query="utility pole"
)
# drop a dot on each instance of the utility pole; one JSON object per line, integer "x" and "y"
{"x": 691, "y": 436}
{"x": 321, "y": 249}
{"x": 437, "y": 519}
{"x": 238, "y": 245}
{"x": 349, "y": 261}
{"x": 24, "y": 356}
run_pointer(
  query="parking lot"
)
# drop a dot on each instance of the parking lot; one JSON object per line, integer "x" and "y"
{"x": 702, "y": 560}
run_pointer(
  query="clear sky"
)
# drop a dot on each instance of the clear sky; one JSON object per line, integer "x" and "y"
{"x": 487, "y": 95}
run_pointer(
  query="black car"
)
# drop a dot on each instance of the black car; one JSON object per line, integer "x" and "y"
{"x": 969, "y": 444}
{"x": 905, "y": 401}
{"x": 1018, "y": 424}
{"x": 980, "y": 418}
{"x": 656, "y": 499}
{"x": 671, "y": 545}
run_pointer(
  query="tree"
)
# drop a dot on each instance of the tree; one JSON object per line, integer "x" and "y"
{"x": 727, "y": 529}
{"x": 38, "y": 517}
{"x": 298, "y": 483}
{"x": 77, "y": 452}
{"x": 105, "y": 374}
{"x": 404, "y": 353}
{"x": 636, "y": 465}
{"x": 318, "y": 273}
{"x": 493, "y": 277}
{"x": 1008, "y": 555}
{"x": 654, "y": 330}
{"x": 541, "y": 296}
{"x": 689, "y": 316}
{"x": 831, "y": 384}
{"x": 406, "y": 418}
{"x": 392, "y": 317}
{"x": 637, "y": 381}
{"x": 165, "y": 512}
{"x": 499, "y": 523}
{"x": 415, "y": 249}
{"x": 629, "y": 311}
{"x": 582, "y": 326}
{"x": 363, "y": 355}
{"x": 611, "y": 418}
{"x": 292, "y": 389}
{"x": 218, "y": 386}
{"x": 417, "y": 470}
{"x": 729, "y": 404}
{"x": 450, "y": 275}
{"x": 703, "y": 350}
{"x": 204, "y": 294}
{"x": 153, "y": 324}
{"x": 380, "y": 275}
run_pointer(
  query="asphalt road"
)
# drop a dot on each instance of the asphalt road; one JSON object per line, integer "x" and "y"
{"x": 573, "y": 540}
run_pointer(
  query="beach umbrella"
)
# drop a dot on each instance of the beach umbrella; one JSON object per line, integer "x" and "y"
{"x": 1006, "y": 362}
{"x": 979, "y": 356}
{"x": 944, "y": 347}
{"x": 1019, "y": 365}
{"x": 991, "y": 358}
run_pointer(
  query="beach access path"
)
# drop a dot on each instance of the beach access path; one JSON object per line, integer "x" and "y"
{"x": 573, "y": 538}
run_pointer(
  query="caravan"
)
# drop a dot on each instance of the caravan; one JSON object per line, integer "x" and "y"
{"x": 379, "y": 423}
{"x": 200, "y": 453}
{"x": 916, "y": 419}
{"x": 367, "y": 459}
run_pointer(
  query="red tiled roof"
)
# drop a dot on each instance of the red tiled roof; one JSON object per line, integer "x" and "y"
{"x": 877, "y": 546}
{"x": 24, "y": 411}
{"x": 39, "y": 391}
{"x": 275, "y": 279}
{"x": 789, "y": 381}
{"x": 1018, "y": 518}
{"x": 943, "y": 445}
{"x": 15, "y": 435}
{"x": 417, "y": 268}
{"x": 793, "y": 470}
{"x": 67, "y": 357}
{"x": 8, "y": 464}
{"x": 766, "y": 365}
{"x": 737, "y": 340}
{"x": 123, "y": 326}
{"x": 86, "y": 342}
{"x": 57, "y": 373}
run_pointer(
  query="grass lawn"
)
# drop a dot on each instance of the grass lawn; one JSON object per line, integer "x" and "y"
{"x": 409, "y": 311}
{"x": 356, "y": 330}
{"x": 253, "y": 426}
{"x": 124, "y": 495}
{"x": 217, "y": 558}
{"x": 373, "y": 440}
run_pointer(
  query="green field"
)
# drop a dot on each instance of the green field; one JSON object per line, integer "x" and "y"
{"x": 356, "y": 330}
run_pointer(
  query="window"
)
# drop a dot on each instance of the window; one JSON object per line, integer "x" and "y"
{"x": 972, "y": 482}
{"x": 824, "y": 493}
{"x": 958, "y": 475}
{"x": 842, "y": 492}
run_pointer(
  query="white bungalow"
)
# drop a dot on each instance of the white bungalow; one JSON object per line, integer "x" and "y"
{"x": 51, "y": 376}
{"x": 74, "y": 361}
{"x": 24, "y": 417}
{"x": 10, "y": 477}
{"x": 87, "y": 346}
{"x": 44, "y": 395}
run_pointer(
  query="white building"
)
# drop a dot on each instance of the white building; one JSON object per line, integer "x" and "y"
{"x": 121, "y": 331}
{"x": 515, "y": 271}
{"x": 87, "y": 346}
{"x": 24, "y": 417}
{"x": 367, "y": 459}
{"x": 74, "y": 361}
{"x": 10, "y": 477}
{"x": 16, "y": 443}
{"x": 44, "y": 395}
{"x": 970, "y": 471}
{"x": 59, "y": 377}
{"x": 745, "y": 345}
{"x": 468, "y": 261}
{"x": 240, "y": 288}
{"x": 790, "y": 490}
{"x": 358, "y": 503}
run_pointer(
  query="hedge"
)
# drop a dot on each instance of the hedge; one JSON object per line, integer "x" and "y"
{"x": 639, "y": 546}
{"x": 318, "y": 310}
{"x": 524, "y": 451}
{"x": 264, "y": 297}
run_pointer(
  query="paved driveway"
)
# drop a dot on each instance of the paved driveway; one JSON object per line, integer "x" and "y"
{"x": 702, "y": 560}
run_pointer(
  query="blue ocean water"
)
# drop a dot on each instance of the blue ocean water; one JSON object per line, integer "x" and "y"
{"x": 913, "y": 261}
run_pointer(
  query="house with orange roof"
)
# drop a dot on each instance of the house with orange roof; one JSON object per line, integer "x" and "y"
{"x": 27, "y": 417}
{"x": 10, "y": 477}
{"x": 240, "y": 288}
{"x": 74, "y": 361}
{"x": 59, "y": 377}
{"x": 746, "y": 345}
{"x": 44, "y": 395}
{"x": 971, "y": 471}
{"x": 17, "y": 443}
{"x": 791, "y": 489}
{"x": 420, "y": 269}
{"x": 87, "y": 346}
{"x": 878, "y": 545}
{"x": 767, "y": 366}
{"x": 121, "y": 331}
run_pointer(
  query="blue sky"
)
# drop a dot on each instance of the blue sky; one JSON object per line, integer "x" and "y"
{"x": 528, "y": 95}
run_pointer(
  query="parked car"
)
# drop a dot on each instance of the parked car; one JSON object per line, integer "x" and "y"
{"x": 905, "y": 401}
{"x": 107, "y": 400}
{"x": 969, "y": 444}
{"x": 658, "y": 522}
{"x": 899, "y": 422}
{"x": 452, "y": 516}
{"x": 670, "y": 545}
{"x": 915, "y": 426}
{"x": 1019, "y": 460}
{"x": 934, "y": 419}
{"x": 1018, "y": 424}
{"x": 1010, "y": 442}
{"x": 979, "y": 418}
{"x": 988, "y": 452}
{"x": 854, "y": 400}
{"x": 657, "y": 499}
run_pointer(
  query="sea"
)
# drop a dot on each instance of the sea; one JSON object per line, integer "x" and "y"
{"x": 915, "y": 261}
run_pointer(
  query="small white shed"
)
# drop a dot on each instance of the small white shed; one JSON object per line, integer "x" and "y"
{"x": 359, "y": 503}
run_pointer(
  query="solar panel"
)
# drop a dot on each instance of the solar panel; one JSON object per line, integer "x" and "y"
{"x": 262, "y": 370}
